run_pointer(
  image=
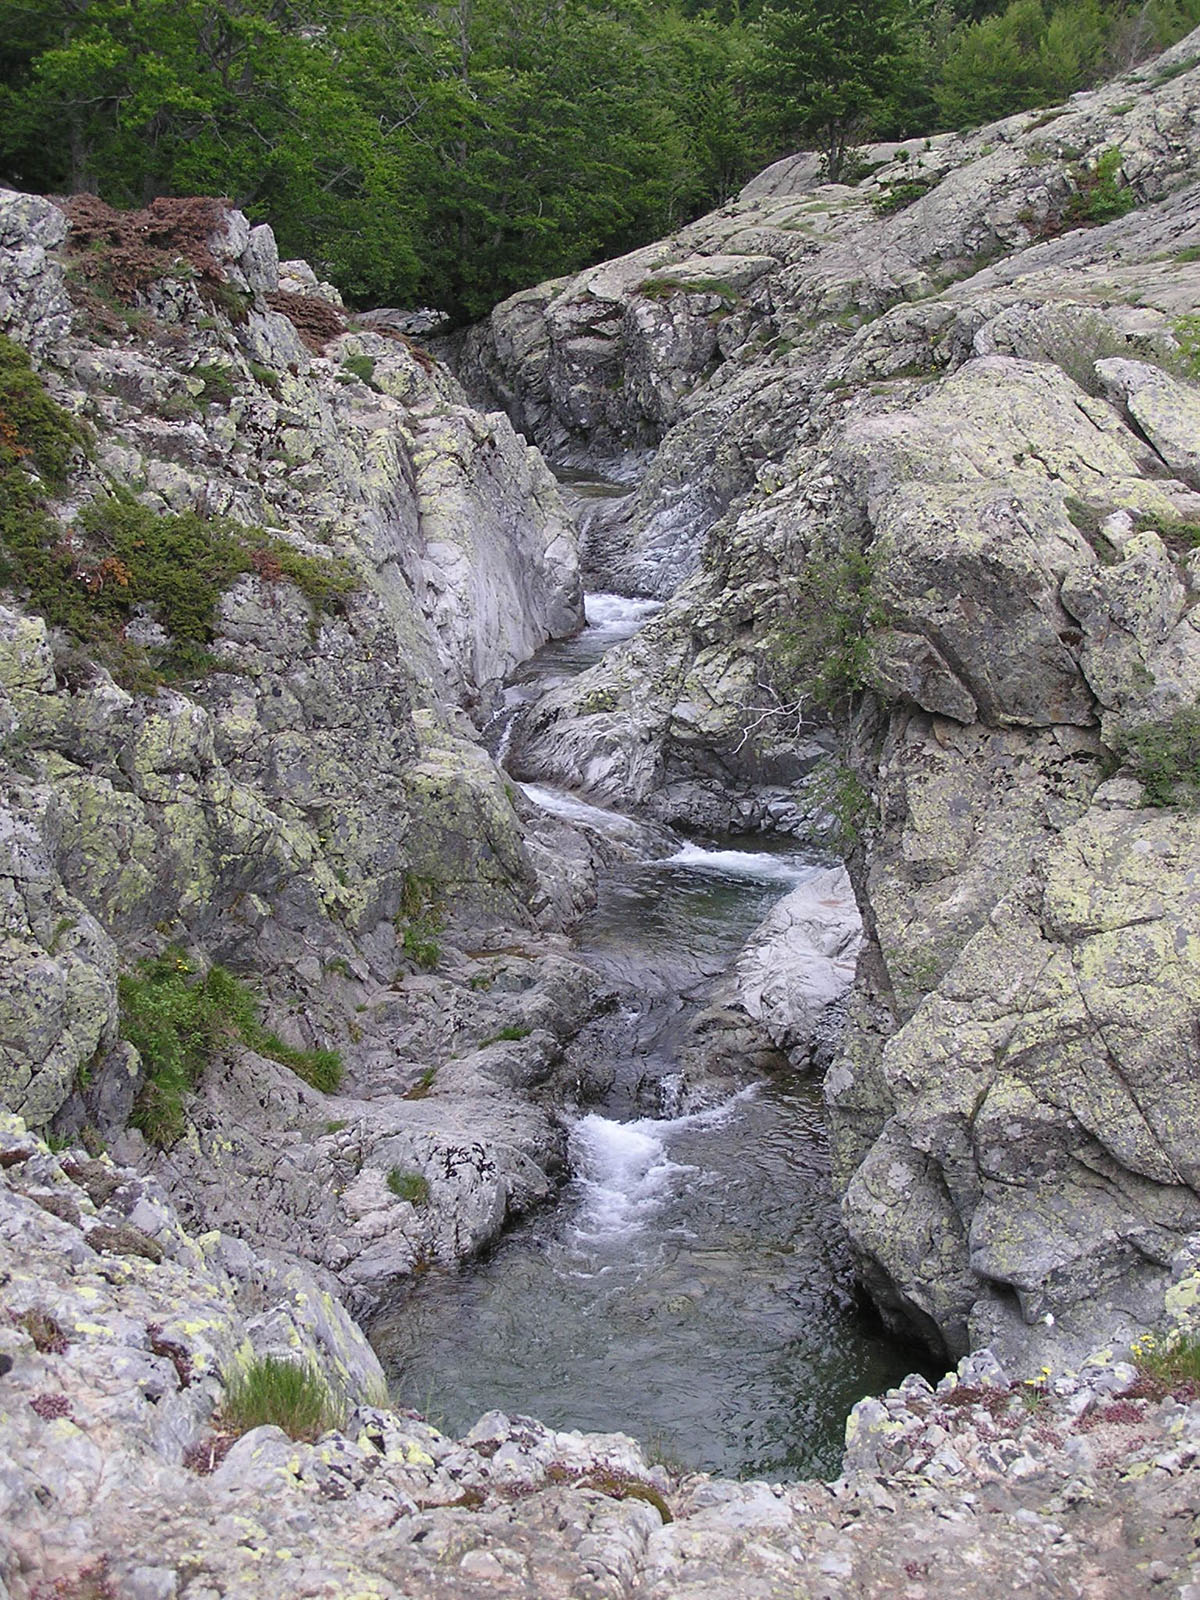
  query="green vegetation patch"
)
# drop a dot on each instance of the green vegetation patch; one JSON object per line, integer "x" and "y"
{"x": 512, "y": 1032}
{"x": 1100, "y": 195}
{"x": 822, "y": 651}
{"x": 119, "y": 557}
{"x": 665, "y": 288}
{"x": 1187, "y": 337}
{"x": 1165, "y": 756}
{"x": 420, "y": 920}
{"x": 362, "y": 367}
{"x": 410, "y": 1186}
{"x": 1169, "y": 1366}
{"x": 284, "y": 1394}
{"x": 899, "y": 196}
{"x": 177, "y": 1020}
{"x": 1180, "y": 537}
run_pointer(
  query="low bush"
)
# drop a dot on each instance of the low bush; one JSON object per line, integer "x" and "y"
{"x": 899, "y": 196}
{"x": 1165, "y": 756}
{"x": 284, "y": 1394}
{"x": 821, "y": 651}
{"x": 1099, "y": 196}
{"x": 362, "y": 367}
{"x": 119, "y": 557}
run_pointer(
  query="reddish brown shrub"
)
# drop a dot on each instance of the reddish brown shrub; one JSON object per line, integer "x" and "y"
{"x": 126, "y": 250}
{"x": 315, "y": 320}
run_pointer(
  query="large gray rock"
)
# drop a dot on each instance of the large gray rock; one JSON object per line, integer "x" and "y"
{"x": 801, "y": 960}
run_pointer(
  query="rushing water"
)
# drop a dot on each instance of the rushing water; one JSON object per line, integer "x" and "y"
{"x": 610, "y": 618}
{"x": 690, "y": 1287}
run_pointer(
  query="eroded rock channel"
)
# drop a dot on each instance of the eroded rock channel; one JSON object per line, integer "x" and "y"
{"x": 691, "y": 1286}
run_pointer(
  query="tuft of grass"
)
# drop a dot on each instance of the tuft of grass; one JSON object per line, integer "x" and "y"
{"x": 512, "y": 1031}
{"x": 1179, "y": 536}
{"x": 1177, "y": 69}
{"x": 1169, "y": 1366}
{"x": 263, "y": 375}
{"x": 420, "y": 919}
{"x": 45, "y": 1331}
{"x": 219, "y": 387}
{"x": 410, "y": 1186}
{"x": 664, "y": 288}
{"x": 286, "y": 1394}
{"x": 177, "y": 1020}
{"x": 422, "y": 1086}
{"x": 320, "y": 1069}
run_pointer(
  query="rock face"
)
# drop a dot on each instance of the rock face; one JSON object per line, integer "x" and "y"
{"x": 923, "y": 451}
{"x": 126, "y": 1472}
{"x": 314, "y": 811}
{"x": 714, "y": 348}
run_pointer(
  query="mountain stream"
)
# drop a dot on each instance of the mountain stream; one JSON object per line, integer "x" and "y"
{"x": 690, "y": 1287}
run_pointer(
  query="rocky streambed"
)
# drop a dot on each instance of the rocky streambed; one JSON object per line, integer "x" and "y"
{"x": 915, "y": 488}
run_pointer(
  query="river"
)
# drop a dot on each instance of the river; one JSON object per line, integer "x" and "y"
{"x": 690, "y": 1287}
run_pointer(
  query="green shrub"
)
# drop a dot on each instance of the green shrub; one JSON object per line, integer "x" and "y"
{"x": 286, "y": 1394}
{"x": 33, "y": 429}
{"x": 410, "y": 1186}
{"x": 363, "y": 368}
{"x": 901, "y": 195}
{"x": 422, "y": 1086}
{"x": 177, "y": 1020}
{"x": 512, "y": 1031}
{"x": 821, "y": 651}
{"x": 1100, "y": 195}
{"x": 1165, "y": 756}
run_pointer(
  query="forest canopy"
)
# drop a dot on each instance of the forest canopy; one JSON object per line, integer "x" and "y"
{"x": 448, "y": 152}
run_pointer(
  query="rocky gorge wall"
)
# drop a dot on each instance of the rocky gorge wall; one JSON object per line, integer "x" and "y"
{"x": 924, "y": 465}
{"x": 312, "y": 811}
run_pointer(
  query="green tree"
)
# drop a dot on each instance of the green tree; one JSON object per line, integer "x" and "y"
{"x": 1026, "y": 55}
{"x": 826, "y": 68}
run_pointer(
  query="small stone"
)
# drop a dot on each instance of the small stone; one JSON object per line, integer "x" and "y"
{"x": 151, "y": 1583}
{"x": 480, "y": 1564}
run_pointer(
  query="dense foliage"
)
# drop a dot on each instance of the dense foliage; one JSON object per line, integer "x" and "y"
{"x": 453, "y": 150}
